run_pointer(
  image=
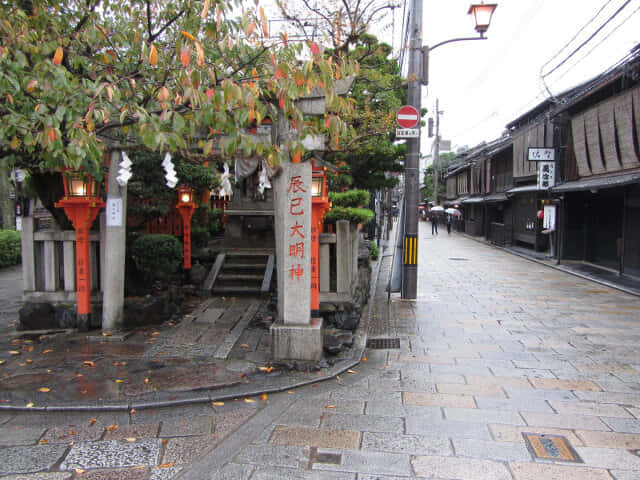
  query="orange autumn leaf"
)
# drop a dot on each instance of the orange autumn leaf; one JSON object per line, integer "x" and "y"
{"x": 199, "y": 53}
{"x": 165, "y": 441}
{"x": 113, "y": 427}
{"x": 205, "y": 9}
{"x": 244, "y": 345}
{"x": 52, "y": 135}
{"x": 166, "y": 465}
{"x": 92, "y": 421}
{"x": 278, "y": 73}
{"x": 89, "y": 363}
{"x": 218, "y": 404}
{"x": 263, "y": 396}
{"x": 249, "y": 400}
{"x": 163, "y": 96}
{"x": 44, "y": 389}
{"x": 185, "y": 57}
{"x": 57, "y": 56}
{"x": 296, "y": 157}
{"x": 188, "y": 35}
{"x": 153, "y": 56}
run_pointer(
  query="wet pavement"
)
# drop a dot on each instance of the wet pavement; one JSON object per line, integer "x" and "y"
{"x": 506, "y": 369}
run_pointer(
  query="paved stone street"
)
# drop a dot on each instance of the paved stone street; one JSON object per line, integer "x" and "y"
{"x": 496, "y": 350}
{"x": 495, "y": 347}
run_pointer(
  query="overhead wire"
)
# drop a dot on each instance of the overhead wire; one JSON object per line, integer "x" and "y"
{"x": 579, "y": 47}
{"x": 599, "y": 43}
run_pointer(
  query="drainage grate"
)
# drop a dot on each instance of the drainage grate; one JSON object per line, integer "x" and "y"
{"x": 550, "y": 447}
{"x": 383, "y": 343}
{"x": 458, "y": 258}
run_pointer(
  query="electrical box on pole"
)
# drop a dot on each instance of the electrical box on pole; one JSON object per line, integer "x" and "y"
{"x": 430, "y": 127}
{"x": 425, "y": 65}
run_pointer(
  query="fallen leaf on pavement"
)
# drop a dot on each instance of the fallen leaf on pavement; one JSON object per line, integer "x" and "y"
{"x": 92, "y": 421}
{"x": 263, "y": 396}
{"x": 244, "y": 345}
{"x": 330, "y": 406}
{"x": 2, "y": 361}
{"x": 44, "y": 389}
{"x": 166, "y": 465}
{"x": 44, "y": 440}
{"x": 48, "y": 350}
{"x": 218, "y": 404}
{"x": 106, "y": 334}
{"x": 14, "y": 352}
{"x": 363, "y": 359}
{"x": 113, "y": 428}
{"x": 133, "y": 410}
{"x": 89, "y": 363}
{"x": 130, "y": 439}
{"x": 29, "y": 405}
{"x": 351, "y": 371}
{"x": 79, "y": 471}
{"x": 119, "y": 381}
{"x": 249, "y": 400}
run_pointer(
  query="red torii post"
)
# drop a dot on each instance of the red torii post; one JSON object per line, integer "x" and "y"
{"x": 320, "y": 205}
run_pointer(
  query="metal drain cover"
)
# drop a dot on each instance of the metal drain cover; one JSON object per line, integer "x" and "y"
{"x": 550, "y": 447}
{"x": 383, "y": 343}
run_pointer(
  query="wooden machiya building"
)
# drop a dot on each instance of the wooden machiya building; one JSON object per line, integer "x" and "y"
{"x": 588, "y": 209}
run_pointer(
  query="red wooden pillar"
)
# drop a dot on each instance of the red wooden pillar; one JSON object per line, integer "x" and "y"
{"x": 186, "y": 208}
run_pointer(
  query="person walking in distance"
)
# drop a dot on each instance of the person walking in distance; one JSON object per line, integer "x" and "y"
{"x": 434, "y": 224}
{"x": 449, "y": 224}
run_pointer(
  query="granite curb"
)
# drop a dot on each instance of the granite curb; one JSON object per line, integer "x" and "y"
{"x": 265, "y": 385}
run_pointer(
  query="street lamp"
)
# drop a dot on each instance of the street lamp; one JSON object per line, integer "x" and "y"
{"x": 81, "y": 204}
{"x": 482, "y": 14}
{"x": 410, "y": 241}
{"x": 186, "y": 206}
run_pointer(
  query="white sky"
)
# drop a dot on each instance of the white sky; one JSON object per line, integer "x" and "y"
{"x": 483, "y": 85}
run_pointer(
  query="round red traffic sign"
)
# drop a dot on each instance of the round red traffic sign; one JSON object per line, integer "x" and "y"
{"x": 407, "y": 116}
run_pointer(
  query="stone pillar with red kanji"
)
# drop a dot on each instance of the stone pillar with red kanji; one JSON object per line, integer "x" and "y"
{"x": 295, "y": 336}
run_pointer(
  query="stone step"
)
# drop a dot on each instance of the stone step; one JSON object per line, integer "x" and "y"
{"x": 241, "y": 276}
{"x": 240, "y": 290}
{"x": 255, "y": 265}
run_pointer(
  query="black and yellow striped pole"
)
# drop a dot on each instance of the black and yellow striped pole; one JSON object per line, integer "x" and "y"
{"x": 410, "y": 250}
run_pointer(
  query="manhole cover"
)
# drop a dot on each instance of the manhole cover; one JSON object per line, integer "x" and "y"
{"x": 550, "y": 447}
{"x": 383, "y": 343}
{"x": 458, "y": 259}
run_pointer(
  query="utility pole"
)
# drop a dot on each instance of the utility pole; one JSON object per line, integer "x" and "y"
{"x": 412, "y": 160}
{"x": 436, "y": 157}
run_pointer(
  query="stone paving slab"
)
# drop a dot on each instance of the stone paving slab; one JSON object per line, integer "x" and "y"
{"x": 459, "y": 468}
{"x": 379, "y": 463}
{"x": 30, "y": 459}
{"x": 316, "y": 437}
{"x": 537, "y": 471}
{"x": 112, "y": 454}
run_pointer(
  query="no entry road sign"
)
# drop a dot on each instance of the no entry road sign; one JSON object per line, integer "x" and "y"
{"x": 407, "y": 116}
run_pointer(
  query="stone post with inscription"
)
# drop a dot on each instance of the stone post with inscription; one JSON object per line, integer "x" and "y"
{"x": 295, "y": 336}
{"x": 114, "y": 249}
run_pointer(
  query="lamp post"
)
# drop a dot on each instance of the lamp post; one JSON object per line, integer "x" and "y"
{"x": 320, "y": 205}
{"x": 186, "y": 206}
{"x": 81, "y": 204}
{"x": 415, "y": 81}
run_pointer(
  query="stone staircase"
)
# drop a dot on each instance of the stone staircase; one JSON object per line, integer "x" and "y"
{"x": 241, "y": 272}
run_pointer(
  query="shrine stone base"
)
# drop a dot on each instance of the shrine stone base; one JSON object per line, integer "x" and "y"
{"x": 297, "y": 342}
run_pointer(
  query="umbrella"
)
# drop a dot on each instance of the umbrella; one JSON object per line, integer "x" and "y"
{"x": 453, "y": 211}
{"x": 437, "y": 208}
